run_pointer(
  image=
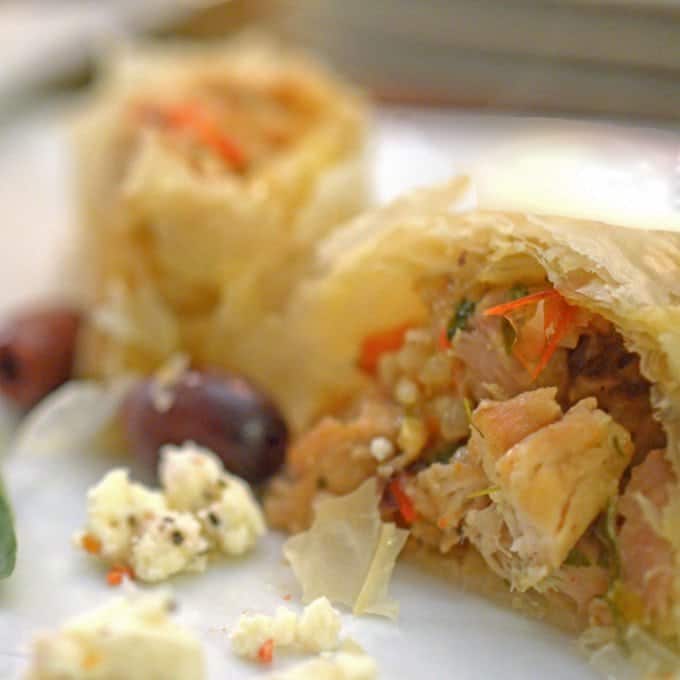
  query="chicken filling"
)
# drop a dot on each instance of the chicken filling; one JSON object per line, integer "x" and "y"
{"x": 229, "y": 126}
{"x": 515, "y": 424}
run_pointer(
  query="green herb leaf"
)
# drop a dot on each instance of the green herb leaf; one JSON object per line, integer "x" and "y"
{"x": 468, "y": 409}
{"x": 8, "y": 541}
{"x": 443, "y": 454}
{"x": 605, "y": 531}
{"x": 519, "y": 290}
{"x": 617, "y": 446}
{"x": 576, "y": 558}
{"x": 509, "y": 335}
{"x": 483, "y": 492}
{"x": 612, "y": 511}
{"x": 468, "y": 412}
{"x": 458, "y": 322}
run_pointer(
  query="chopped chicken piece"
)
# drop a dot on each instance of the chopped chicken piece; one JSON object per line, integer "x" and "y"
{"x": 646, "y": 556}
{"x": 551, "y": 484}
{"x": 442, "y": 493}
{"x": 499, "y": 425}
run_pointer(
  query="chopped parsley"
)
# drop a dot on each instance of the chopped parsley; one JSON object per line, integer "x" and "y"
{"x": 605, "y": 531}
{"x": 458, "y": 322}
{"x": 483, "y": 492}
{"x": 509, "y": 335}
{"x": 444, "y": 453}
{"x": 8, "y": 541}
{"x": 519, "y": 290}
{"x": 617, "y": 447}
{"x": 576, "y": 558}
{"x": 468, "y": 412}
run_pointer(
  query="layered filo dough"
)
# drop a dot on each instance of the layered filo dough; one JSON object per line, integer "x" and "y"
{"x": 205, "y": 177}
{"x": 512, "y": 381}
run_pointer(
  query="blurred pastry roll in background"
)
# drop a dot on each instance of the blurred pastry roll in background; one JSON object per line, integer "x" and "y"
{"x": 205, "y": 177}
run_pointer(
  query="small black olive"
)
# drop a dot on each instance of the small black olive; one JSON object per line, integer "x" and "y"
{"x": 37, "y": 347}
{"x": 222, "y": 412}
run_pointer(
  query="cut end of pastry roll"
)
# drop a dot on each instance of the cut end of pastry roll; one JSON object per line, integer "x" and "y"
{"x": 206, "y": 176}
{"x": 512, "y": 382}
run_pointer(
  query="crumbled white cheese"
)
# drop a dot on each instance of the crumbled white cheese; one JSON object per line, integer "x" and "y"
{"x": 406, "y": 392}
{"x": 132, "y": 638}
{"x": 319, "y": 626}
{"x": 343, "y": 665}
{"x": 190, "y": 476}
{"x": 116, "y": 508}
{"x": 234, "y": 522}
{"x": 202, "y": 509}
{"x": 316, "y": 630}
{"x": 168, "y": 545}
{"x": 381, "y": 448}
{"x": 253, "y": 630}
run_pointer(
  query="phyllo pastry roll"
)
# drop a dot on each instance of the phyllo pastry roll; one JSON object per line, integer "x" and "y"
{"x": 206, "y": 176}
{"x": 513, "y": 383}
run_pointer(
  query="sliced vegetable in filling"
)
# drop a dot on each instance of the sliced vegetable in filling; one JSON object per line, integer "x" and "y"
{"x": 517, "y": 423}
{"x": 229, "y": 126}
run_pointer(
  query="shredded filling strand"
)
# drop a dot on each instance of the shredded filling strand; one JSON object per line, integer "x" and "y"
{"x": 514, "y": 423}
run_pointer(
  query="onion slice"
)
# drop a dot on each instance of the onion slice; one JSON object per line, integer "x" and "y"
{"x": 348, "y": 554}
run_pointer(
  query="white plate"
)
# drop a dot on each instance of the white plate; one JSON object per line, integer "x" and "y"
{"x": 442, "y": 632}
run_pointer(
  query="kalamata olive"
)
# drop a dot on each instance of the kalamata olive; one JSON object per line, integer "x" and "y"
{"x": 222, "y": 412}
{"x": 37, "y": 349}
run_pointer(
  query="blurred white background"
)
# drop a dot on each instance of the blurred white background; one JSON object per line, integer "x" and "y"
{"x": 617, "y": 58}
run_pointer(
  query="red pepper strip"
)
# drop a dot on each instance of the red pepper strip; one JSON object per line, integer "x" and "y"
{"x": 558, "y": 314}
{"x": 443, "y": 340}
{"x": 503, "y": 309}
{"x": 375, "y": 345}
{"x": 565, "y": 318}
{"x": 405, "y": 504}
{"x": 266, "y": 652}
{"x": 193, "y": 117}
{"x": 118, "y": 573}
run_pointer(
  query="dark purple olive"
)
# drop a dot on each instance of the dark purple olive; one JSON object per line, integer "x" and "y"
{"x": 37, "y": 348}
{"x": 222, "y": 412}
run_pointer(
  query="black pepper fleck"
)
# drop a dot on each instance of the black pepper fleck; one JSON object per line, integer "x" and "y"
{"x": 214, "y": 519}
{"x": 177, "y": 537}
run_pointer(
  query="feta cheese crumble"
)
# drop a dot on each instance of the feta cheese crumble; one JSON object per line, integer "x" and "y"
{"x": 317, "y": 629}
{"x": 342, "y": 665}
{"x": 201, "y": 509}
{"x": 234, "y": 522}
{"x": 116, "y": 508}
{"x": 381, "y": 448}
{"x": 132, "y": 638}
{"x": 168, "y": 545}
{"x": 190, "y": 476}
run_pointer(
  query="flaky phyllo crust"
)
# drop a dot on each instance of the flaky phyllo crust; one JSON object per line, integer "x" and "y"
{"x": 206, "y": 175}
{"x": 370, "y": 275}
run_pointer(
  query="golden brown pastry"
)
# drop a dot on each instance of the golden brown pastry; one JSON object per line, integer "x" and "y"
{"x": 206, "y": 176}
{"x": 513, "y": 382}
